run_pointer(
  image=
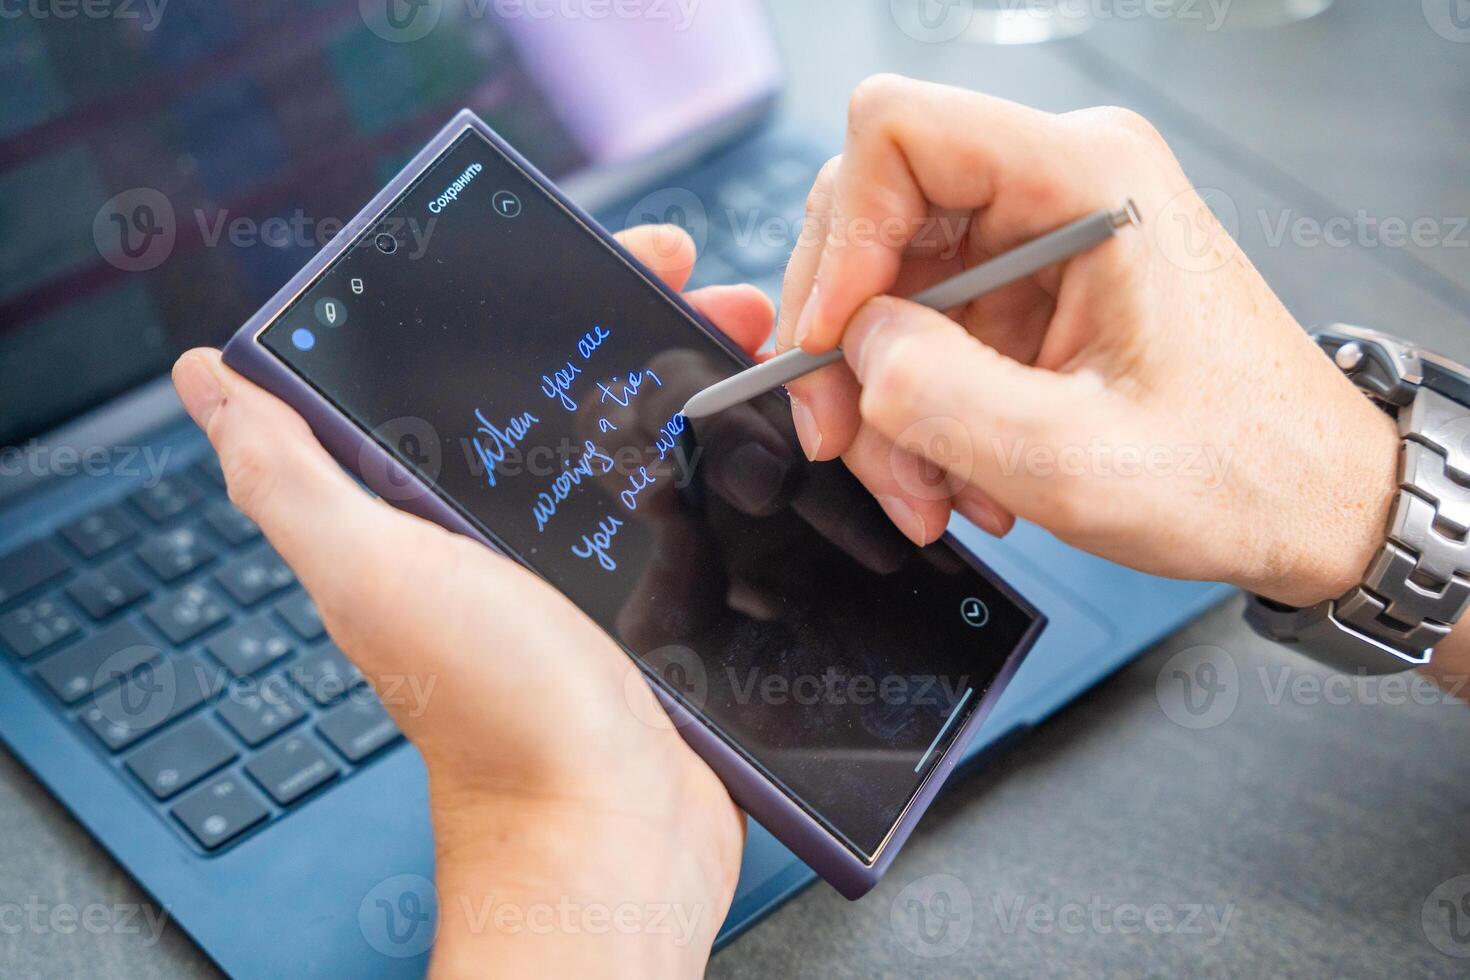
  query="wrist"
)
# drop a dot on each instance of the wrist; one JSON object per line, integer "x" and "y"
{"x": 550, "y": 886}
{"x": 1331, "y": 524}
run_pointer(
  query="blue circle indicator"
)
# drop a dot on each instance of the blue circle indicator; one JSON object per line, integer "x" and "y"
{"x": 303, "y": 338}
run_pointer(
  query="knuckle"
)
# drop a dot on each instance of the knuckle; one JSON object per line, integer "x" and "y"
{"x": 875, "y": 95}
{"x": 1124, "y": 120}
{"x": 893, "y": 391}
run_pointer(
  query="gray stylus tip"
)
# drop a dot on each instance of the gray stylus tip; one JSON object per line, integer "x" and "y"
{"x": 693, "y": 408}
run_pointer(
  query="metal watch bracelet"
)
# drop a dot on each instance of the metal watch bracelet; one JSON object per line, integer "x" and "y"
{"x": 1418, "y": 585}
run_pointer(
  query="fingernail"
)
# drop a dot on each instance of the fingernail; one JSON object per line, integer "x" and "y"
{"x": 983, "y": 516}
{"x": 198, "y": 387}
{"x": 807, "y": 318}
{"x": 806, "y": 428}
{"x": 905, "y": 518}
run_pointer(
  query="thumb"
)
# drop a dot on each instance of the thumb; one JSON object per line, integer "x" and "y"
{"x": 314, "y": 515}
{"x": 937, "y": 391}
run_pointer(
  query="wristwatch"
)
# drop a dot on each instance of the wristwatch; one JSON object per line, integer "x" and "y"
{"x": 1418, "y": 585}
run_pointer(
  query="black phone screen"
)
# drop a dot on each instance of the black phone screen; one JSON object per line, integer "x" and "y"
{"x": 534, "y": 378}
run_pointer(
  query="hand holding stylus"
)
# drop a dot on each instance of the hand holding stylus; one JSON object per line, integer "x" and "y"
{"x": 1150, "y": 400}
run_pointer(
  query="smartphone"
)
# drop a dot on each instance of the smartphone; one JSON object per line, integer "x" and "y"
{"x": 479, "y": 351}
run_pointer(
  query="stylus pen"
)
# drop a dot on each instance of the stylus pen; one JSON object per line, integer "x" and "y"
{"x": 1027, "y": 260}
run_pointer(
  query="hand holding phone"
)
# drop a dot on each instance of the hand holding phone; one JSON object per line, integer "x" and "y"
{"x": 518, "y": 377}
{"x": 469, "y": 651}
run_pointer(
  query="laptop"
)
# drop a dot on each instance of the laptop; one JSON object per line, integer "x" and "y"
{"x": 159, "y": 179}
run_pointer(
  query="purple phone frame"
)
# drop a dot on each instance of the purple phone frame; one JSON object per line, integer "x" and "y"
{"x": 362, "y": 455}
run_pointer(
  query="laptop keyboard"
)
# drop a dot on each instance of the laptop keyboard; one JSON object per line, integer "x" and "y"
{"x": 182, "y": 646}
{"x": 176, "y": 640}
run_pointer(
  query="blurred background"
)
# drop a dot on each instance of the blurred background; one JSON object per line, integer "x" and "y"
{"x": 1331, "y": 139}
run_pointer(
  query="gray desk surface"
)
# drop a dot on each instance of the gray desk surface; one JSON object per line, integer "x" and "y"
{"x": 1315, "y": 822}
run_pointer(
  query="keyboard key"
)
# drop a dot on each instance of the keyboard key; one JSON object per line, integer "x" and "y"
{"x": 180, "y": 758}
{"x": 325, "y": 673}
{"x": 230, "y": 523}
{"x": 358, "y": 729}
{"x": 155, "y": 696}
{"x": 101, "y": 531}
{"x": 97, "y": 661}
{"x": 185, "y": 614}
{"x": 36, "y": 626}
{"x": 250, "y": 646}
{"x": 292, "y": 768}
{"x": 167, "y": 498}
{"x": 792, "y": 174}
{"x": 259, "y": 712}
{"x": 108, "y": 589}
{"x": 744, "y": 198}
{"x": 209, "y": 469}
{"x": 29, "y": 568}
{"x": 177, "y": 553}
{"x": 250, "y": 578}
{"x": 713, "y": 270}
{"x": 301, "y": 614}
{"x": 762, "y": 255}
{"x": 220, "y": 811}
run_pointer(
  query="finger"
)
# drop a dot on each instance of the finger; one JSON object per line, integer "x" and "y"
{"x": 801, "y": 269}
{"x": 667, "y": 250}
{"x": 314, "y": 515}
{"x": 984, "y": 511}
{"x": 912, "y": 146}
{"x": 896, "y": 479}
{"x": 743, "y": 313}
{"x": 823, "y": 404}
{"x": 943, "y": 394}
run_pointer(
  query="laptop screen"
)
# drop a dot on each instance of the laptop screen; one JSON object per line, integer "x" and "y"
{"x": 167, "y": 165}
